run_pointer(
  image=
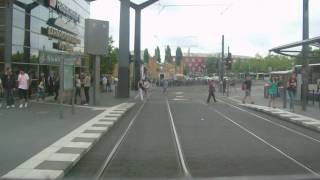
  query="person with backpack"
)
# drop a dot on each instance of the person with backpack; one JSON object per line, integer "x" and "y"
{"x": 291, "y": 88}
{"x": 211, "y": 91}
{"x": 246, "y": 87}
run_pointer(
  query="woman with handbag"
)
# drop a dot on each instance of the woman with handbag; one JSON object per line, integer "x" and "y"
{"x": 291, "y": 88}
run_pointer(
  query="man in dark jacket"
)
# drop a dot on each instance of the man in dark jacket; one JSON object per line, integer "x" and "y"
{"x": 9, "y": 84}
{"x": 211, "y": 91}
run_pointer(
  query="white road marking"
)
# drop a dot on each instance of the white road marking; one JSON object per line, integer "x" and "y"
{"x": 179, "y": 99}
{"x": 274, "y": 123}
{"x": 179, "y": 96}
{"x": 26, "y": 170}
{"x": 179, "y": 93}
{"x": 181, "y": 156}
{"x": 270, "y": 145}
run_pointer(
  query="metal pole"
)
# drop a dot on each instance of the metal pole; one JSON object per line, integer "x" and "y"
{"x": 124, "y": 52}
{"x": 61, "y": 89}
{"x": 137, "y": 48}
{"x": 222, "y": 66}
{"x": 305, "y": 49}
{"x": 8, "y": 34}
{"x": 73, "y": 91}
{"x": 96, "y": 78}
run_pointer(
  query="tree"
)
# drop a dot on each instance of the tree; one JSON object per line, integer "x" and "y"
{"x": 168, "y": 57}
{"x": 211, "y": 65}
{"x": 157, "y": 54}
{"x": 146, "y": 56}
{"x": 179, "y": 56}
{"x": 108, "y": 61}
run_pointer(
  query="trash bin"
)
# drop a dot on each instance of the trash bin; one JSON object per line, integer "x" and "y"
{"x": 265, "y": 93}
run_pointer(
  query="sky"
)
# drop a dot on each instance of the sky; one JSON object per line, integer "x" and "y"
{"x": 250, "y": 27}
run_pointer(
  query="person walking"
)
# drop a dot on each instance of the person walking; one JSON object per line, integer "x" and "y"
{"x": 56, "y": 87}
{"x": 246, "y": 87}
{"x": 141, "y": 89}
{"x": 291, "y": 88}
{"x": 78, "y": 88}
{"x": 41, "y": 87}
{"x": 87, "y": 84}
{"x": 9, "y": 85}
{"x": 104, "y": 83}
{"x": 272, "y": 91}
{"x": 165, "y": 87}
{"x": 23, "y": 86}
{"x": 211, "y": 91}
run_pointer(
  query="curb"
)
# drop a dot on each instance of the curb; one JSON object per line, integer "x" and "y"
{"x": 57, "y": 159}
{"x": 304, "y": 121}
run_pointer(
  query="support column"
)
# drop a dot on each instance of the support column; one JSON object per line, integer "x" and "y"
{"x": 124, "y": 52}
{"x": 221, "y": 67}
{"x": 8, "y": 31}
{"x": 96, "y": 80}
{"x": 305, "y": 49}
{"x": 137, "y": 48}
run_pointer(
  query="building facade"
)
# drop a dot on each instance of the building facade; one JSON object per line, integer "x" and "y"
{"x": 36, "y": 34}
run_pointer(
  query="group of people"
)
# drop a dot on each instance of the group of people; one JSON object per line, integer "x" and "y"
{"x": 143, "y": 88}
{"x": 9, "y": 83}
{"x": 82, "y": 88}
{"x": 107, "y": 83}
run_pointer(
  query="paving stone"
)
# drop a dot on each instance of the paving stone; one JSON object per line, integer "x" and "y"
{"x": 55, "y": 165}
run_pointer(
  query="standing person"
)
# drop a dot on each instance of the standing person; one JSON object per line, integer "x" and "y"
{"x": 23, "y": 86}
{"x": 9, "y": 85}
{"x": 292, "y": 87}
{"x": 109, "y": 82}
{"x": 104, "y": 83}
{"x": 56, "y": 88}
{"x": 51, "y": 82}
{"x": 211, "y": 91}
{"x": 78, "y": 88}
{"x": 141, "y": 89}
{"x": 87, "y": 84}
{"x": 165, "y": 87}
{"x": 224, "y": 85}
{"x": 246, "y": 87}
{"x": 272, "y": 91}
{"x": 41, "y": 87}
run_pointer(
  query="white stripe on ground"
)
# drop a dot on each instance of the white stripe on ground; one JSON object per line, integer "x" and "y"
{"x": 181, "y": 156}
{"x": 274, "y": 123}
{"x": 27, "y": 170}
{"x": 270, "y": 145}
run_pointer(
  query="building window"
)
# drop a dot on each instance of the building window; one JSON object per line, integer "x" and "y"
{"x": 3, "y": 3}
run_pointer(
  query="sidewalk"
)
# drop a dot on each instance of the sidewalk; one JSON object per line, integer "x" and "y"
{"x": 36, "y": 143}
{"x": 309, "y": 118}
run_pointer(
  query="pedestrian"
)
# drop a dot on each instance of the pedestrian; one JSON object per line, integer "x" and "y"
{"x": 146, "y": 85}
{"x": 78, "y": 88}
{"x": 165, "y": 87}
{"x": 224, "y": 86}
{"x": 291, "y": 88}
{"x": 104, "y": 83}
{"x": 211, "y": 91}
{"x": 246, "y": 87}
{"x": 56, "y": 88}
{"x": 23, "y": 86}
{"x": 109, "y": 82}
{"x": 51, "y": 82}
{"x": 141, "y": 89}
{"x": 9, "y": 84}
{"x": 272, "y": 91}
{"x": 41, "y": 87}
{"x": 87, "y": 84}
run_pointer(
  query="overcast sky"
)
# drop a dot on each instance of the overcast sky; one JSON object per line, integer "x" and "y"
{"x": 249, "y": 26}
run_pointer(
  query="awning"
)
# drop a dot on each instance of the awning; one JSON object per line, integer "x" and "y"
{"x": 294, "y": 49}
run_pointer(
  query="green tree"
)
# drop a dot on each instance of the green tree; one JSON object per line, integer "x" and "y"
{"x": 157, "y": 54}
{"x": 146, "y": 56}
{"x": 108, "y": 61}
{"x": 211, "y": 65}
{"x": 168, "y": 57}
{"x": 179, "y": 56}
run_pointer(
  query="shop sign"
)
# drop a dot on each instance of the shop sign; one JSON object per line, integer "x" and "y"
{"x": 62, "y": 46}
{"x": 63, "y": 9}
{"x": 54, "y": 58}
{"x": 58, "y": 34}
